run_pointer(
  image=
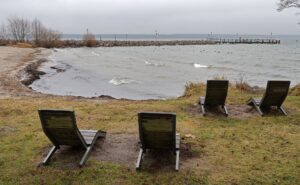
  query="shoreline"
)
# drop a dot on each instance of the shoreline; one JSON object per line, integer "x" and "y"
{"x": 23, "y": 70}
{"x": 13, "y": 61}
{"x": 17, "y": 77}
{"x": 31, "y": 72}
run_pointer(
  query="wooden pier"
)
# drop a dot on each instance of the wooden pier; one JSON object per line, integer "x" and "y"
{"x": 247, "y": 41}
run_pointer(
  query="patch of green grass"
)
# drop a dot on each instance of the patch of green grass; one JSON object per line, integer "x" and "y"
{"x": 233, "y": 150}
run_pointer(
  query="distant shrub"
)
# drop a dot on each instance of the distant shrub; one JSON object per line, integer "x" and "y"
{"x": 4, "y": 42}
{"x": 89, "y": 40}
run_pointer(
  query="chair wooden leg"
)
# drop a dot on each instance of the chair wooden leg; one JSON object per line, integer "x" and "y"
{"x": 85, "y": 156}
{"x": 258, "y": 110}
{"x": 282, "y": 110}
{"x": 177, "y": 160}
{"x": 203, "y": 109}
{"x": 138, "y": 162}
{"x": 225, "y": 110}
{"x": 50, "y": 154}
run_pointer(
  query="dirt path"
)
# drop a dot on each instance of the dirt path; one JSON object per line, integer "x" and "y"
{"x": 123, "y": 149}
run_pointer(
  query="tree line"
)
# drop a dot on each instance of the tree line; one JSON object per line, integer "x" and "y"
{"x": 19, "y": 29}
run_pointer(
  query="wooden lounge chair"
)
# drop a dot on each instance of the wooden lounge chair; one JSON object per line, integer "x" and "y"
{"x": 216, "y": 93}
{"x": 60, "y": 127}
{"x": 158, "y": 132}
{"x": 275, "y": 95}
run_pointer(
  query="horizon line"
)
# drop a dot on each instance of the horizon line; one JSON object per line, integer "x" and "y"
{"x": 279, "y": 34}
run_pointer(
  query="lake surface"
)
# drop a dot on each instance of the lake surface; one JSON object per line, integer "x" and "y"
{"x": 162, "y": 72}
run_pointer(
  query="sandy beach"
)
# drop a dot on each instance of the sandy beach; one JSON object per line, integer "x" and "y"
{"x": 17, "y": 67}
{"x": 13, "y": 61}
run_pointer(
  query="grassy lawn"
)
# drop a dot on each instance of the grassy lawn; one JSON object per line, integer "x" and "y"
{"x": 241, "y": 149}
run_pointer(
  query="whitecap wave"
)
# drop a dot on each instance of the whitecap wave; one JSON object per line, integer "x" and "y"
{"x": 153, "y": 64}
{"x": 121, "y": 81}
{"x": 94, "y": 53}
{"x": 200, "y": 65}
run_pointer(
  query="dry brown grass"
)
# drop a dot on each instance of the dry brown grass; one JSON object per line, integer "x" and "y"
{"x": 219, "y": 77}
{"x": 23, "y": 45}
{"x": 295, "y": 91}
{"x": 193, "y": 88}
{"x": 89, "y": 40}
{"x": 243, "y": 85}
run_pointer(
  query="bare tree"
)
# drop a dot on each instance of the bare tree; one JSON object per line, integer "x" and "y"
{"x": 3, "y": 32}
{"x": 283, "y": 4}
{"x": 19, "y": 28}
{"x": 37, "y": 30}
{"x": 49, "y": 38}
{"x": 50, "y": 35}
{"x": 43, "y": 36}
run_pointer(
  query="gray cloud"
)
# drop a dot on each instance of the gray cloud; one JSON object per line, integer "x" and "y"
{"x": 166, "y": 16}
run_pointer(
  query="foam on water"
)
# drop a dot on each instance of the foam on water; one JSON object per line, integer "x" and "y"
{"x": 153, "y": 64}
{"x": 95, "y": 54}
{"x": 121, "y": 81}
{"x": 200, "y": 65}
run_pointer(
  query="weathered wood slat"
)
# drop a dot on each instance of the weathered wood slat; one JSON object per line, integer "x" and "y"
{"x": 275, "y": 94}
{"x": 60, "y": 127}
{"x": 158, "y": 131}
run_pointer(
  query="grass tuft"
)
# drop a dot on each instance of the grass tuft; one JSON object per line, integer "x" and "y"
{"x": 192, "y": 89}
{"x": 295, "y": 91}
{"x": 219, "y": 77}
{"x": 242, "y": 85}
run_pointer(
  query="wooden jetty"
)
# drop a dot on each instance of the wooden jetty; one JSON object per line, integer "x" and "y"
{"x": 247, "y": 41}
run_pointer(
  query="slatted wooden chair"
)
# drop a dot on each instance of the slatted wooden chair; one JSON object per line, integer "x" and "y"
{"x": 60, "y": 127}
{"x": 216, "y": 93}
{"x": 158, "y": 132}
{"x": 275, "y": 95}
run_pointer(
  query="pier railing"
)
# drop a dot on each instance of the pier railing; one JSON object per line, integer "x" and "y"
{"x": 247, "y": 41}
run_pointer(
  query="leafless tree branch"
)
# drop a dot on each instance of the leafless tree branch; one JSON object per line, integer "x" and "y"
{"x": 283, "y": 4}
{"x": 19, "y": 28}
{"x": 3, "y": 32}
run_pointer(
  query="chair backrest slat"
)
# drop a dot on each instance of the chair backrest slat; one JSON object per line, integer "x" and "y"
{"x": 275, "y": 94}
{"x": 216, "y": 92}
{"x": 157, "y": 130}
{"x": 60, "y": 127}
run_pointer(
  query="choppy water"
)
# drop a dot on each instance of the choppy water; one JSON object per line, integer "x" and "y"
{"x": 162, "y": 72}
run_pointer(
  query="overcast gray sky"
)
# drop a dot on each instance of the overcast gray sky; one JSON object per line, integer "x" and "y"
{"x": 166, "y": 16}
